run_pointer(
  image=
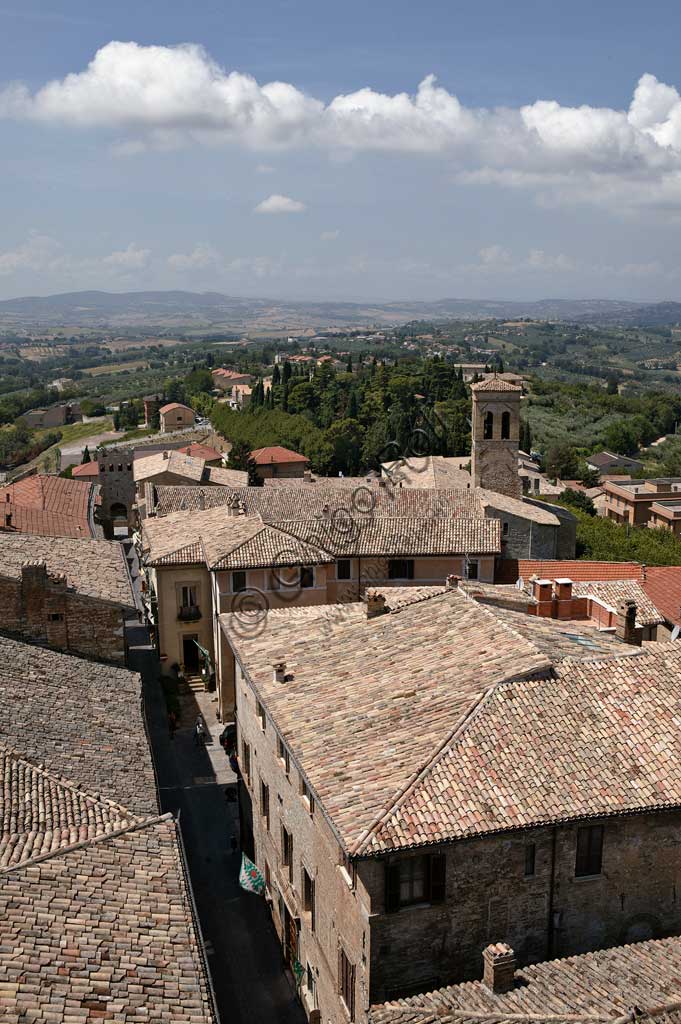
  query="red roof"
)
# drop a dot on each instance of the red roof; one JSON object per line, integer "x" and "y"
{"x": 86, "y": 469}
{"x": 275, "y": 453}
{"x": 50, "y": 506}
{"x": 175, "y": 405}
{"x": 201, "y": 451}
{"x": 511, "y": 569}
{"x": 662, "y": 584}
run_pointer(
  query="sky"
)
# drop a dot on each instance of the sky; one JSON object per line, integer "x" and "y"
{"x": 357, "y": 151}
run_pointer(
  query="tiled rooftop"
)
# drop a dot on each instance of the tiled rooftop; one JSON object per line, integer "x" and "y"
{"x": 428, "y": 662}
{"x": 95, "y": 568}
{"x": 620, "y": 984}
{"x": 41, "y": 813}
{"x": 511, "y": 569}
{"x": 527, "y": 755}
{"x": 612, "y": 592}
{"x": 102, "y": 930}
{"x": 172, "y": 406}
{"x": 663, "y": 586}
{"x": 495, "y": 384}
{"x": 276, "y": 454}
{"x": 168, "y": 462}
{"x": 366, "y": 536}
{"x": 429, "y": 471}
{"x": 495, "y": 750}
{"x": 77, "y": 718}
{"x": 223, "y": 541}
{"x": 50, "y": 506}
{"x": 201, "y": 451}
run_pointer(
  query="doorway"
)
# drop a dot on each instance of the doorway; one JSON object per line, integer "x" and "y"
{"x": 190, "y": 653}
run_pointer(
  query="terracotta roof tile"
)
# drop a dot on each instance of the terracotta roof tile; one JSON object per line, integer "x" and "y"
{"x": 662, "y": 584}
{"x": 511, "y": 569}
{"x": 50, "y": 506}
{"x": 601, "y": 986}
{"x": 276, "y": 454}
{"x": 495, "y": 384}
{"x": 94, "y": 568}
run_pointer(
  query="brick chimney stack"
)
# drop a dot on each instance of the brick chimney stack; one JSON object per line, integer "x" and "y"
{"x": 542, "y": 592}
{"x": 375, "y": 604}
{"x": 499, "y": 964}
{"x": 626, "y": 628}
{"x": 452, "y": 582}
{"x": 563, "y": 598}
{"x": 279, "y": 671}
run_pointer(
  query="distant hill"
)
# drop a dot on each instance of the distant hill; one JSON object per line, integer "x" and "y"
{"x": 213, "y": 309}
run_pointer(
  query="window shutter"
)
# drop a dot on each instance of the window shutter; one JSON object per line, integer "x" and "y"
{"x": 392, "y": 888}
{"x": 438, "y": 881}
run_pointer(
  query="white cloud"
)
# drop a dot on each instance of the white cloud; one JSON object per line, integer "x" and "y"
{"x": 126, "y": 260}
{"x": 163, "y": 96}
{"x": 280, "y": 204}
{"x": 264, "y": 169}
{"x": 201, "y": 256}
{"x": 38, "y": 252}
{"x": 329, "y": 236}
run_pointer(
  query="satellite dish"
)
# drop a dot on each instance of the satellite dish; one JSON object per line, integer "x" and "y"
{"x": 675, "y": 633}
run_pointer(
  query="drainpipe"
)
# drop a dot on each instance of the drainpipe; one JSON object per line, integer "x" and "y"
{"x": 359, "y": 579}
{"x": 551, "y": 929}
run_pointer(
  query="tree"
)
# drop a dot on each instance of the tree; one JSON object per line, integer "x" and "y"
{"x": 578, "y": 499}
{"x": 239, "y": 455}
{"x": 276, "y": 374}
{"x": 345, "y": 440}
{"x": 286, "y": 373}
{"x": 349, "y": 363}
{"x": 174, "y": 391}
{"x": 86, "y": 456}
{"x": 561, "y": 460}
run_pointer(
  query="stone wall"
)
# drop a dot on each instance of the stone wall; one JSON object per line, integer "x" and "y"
{"x": 341, "y": 918}
{"x": 41, "y": 607}
{"x": 524, "y": 538}
{"x": 548, "y": 915}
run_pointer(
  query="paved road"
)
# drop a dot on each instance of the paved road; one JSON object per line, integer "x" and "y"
{"x": 246, "y": 963}
{"x": 72, "y": 452}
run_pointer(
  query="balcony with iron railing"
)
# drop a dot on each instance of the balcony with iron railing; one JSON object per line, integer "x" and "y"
{"x": 189, "y": 613}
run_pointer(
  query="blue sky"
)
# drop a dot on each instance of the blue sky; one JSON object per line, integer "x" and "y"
{"x": 143, "y": 147}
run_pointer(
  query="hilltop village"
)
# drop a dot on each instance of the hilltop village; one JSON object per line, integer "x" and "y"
{"x": 387, "y": 728}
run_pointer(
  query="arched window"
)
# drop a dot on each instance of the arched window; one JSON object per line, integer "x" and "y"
{"x": 488, "y": 426}
{"x": 505, "y": 426}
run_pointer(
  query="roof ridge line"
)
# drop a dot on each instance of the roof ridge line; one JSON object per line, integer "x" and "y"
{"x": 136, "y": 826}
{"x": 414, "y": 778}
{"x": 66, "y": 783}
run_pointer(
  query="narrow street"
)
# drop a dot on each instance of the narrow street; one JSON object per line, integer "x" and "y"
{"x": 197, "y": 784}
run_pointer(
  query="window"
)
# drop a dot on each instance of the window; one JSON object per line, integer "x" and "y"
{"x": 504, "y": 529}
{"x": 260, "y": 711}
{"x": 56, "y": 617}
{"x": 111, "y": 469}
{"x": 343, "y": 569}
{"x": 238, "y": 581}
{"x": 306, "y": 795}
{"x": 530, "y": 858}
{"x": 346, "y": 982}
{"x": 505, "y": 426}
{"x": 589, "y": 858}
{"x": 265, "y": 803}
{"x": 310, "y": 984}
{"x": 189, "y": 596}
{"x": 102, "y": 469}
{"x": 287, "y": 851}
{"x": 246, "y": 761}
{"x": 275, "y": 580}
{"x": 268, "y": 876}
{"x": 488, "y": 426}
{"x": 472, "y": 569}
{"x": 415, "y": 880}
{"x": 120, "y": 467}
{"x": 401, "y": 569}
{"x": 129, "y": 467}
{"x": 308, "y": 897}
{"x": 283, "y": 755}
{"x": 306, "y": 576}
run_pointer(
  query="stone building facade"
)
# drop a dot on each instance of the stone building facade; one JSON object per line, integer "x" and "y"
{"x": 496, "y": 434}
{"x": 43, "y": 608}
{"x": 392, "y": 859}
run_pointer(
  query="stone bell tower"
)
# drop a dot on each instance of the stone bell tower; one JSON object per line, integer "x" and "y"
{"x": 496, "y": 434}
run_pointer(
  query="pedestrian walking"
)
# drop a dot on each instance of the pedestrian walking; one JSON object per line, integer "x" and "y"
{"x": 199, "y": 733}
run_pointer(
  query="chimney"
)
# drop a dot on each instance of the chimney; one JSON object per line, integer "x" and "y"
{"x": 499, "y": 964}
{"x": 166, "y": 455}
{"x": 202, "y": 501}
{"x": 307, "y": 475}
{"x": 452, "y": 582}
{"x": 375, "y": 604}
{"x": 563, "y": 598}
{"x": 542, "y": 592}
{"x": 279, "y": 671}
{"x": 626, "y": 628}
